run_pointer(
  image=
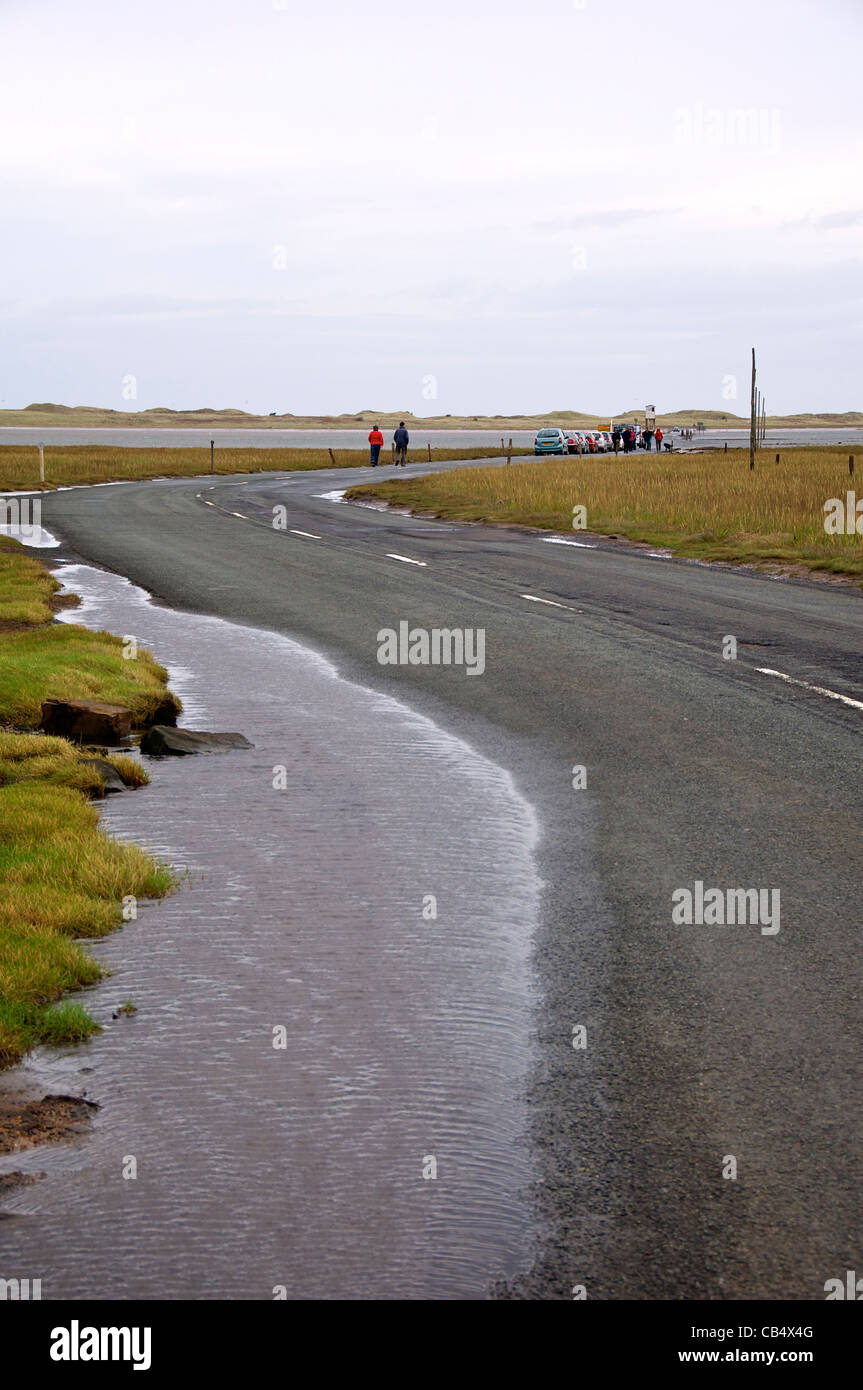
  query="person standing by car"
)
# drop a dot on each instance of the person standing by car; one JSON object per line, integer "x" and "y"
{"x": 376, "y": 443}
{"x": 647, "y": 436}
{"x": 658, "y": 438}
{"x": 615, "y": 438}
{"x": 401, "y": 439}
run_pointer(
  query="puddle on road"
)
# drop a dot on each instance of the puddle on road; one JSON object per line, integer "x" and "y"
{"x": 302, "y": 908}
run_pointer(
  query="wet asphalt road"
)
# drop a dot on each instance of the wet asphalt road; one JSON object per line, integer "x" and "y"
{"x": 703, "y": 1042}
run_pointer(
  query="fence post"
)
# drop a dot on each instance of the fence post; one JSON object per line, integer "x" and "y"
{"x": 429, "y": 449}
{"x": 41, "y": 463}
{"x": 851, "y": 464}
{"x": 212, "y": 456}
{"x": 332, "y": 457}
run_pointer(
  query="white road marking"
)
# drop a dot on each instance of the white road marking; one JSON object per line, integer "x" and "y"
{"x": 550, "y": 601}
{"x": 240, "y": 515}
{"x": 817, "y": 689}
{"x": 406, "y": 558}
{"x": 304, "y": 533}
{"x": 337, "y": 495}
{"x": 558, "y": 540}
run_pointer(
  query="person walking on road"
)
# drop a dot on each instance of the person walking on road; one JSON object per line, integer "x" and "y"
{"x": 376, "y": 443}
{"x": 615, "y": 438}
{"x": 401, "y": 439}
{"x": 658, "y": 438}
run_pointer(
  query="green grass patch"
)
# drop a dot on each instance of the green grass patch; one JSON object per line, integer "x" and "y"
{"x": 26, "y": 587}
{"x": 61, "y": 875}
{"x": 68, "y": 662}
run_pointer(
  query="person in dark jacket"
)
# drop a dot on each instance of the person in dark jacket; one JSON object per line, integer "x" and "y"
{"x": 615, "y": 439}
{"x": 401, "y": 439}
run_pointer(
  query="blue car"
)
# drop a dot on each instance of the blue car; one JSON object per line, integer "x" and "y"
{"x": 550, "y": 442}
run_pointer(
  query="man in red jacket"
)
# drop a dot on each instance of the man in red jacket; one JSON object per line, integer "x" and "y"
{"x": 376, "y": 441}
{"x": 658, "y": 438}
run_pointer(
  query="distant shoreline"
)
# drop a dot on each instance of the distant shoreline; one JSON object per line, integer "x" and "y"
{"x": 52, "y": 416}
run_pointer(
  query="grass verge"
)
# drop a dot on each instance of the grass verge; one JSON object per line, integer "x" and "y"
{"x": 61, "y": 875}
{"x": 707, "y": 506}
{"x": 67, "y": 465}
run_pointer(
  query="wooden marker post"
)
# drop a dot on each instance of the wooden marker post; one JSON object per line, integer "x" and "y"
{"x": 212, "y": 455}
{"x": 851, "y": 464}
{"x": 752, "y": 428}
{"x": 332, "y": 457}
{"x": 41, "y": 463}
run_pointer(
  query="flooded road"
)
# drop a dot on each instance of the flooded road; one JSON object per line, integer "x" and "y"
{"x": 299, "y": 920}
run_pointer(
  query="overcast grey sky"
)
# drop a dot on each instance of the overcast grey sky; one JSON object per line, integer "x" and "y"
{"x": 467, "y": 207}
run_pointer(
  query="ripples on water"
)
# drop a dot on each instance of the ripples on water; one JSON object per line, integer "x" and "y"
{"x": 301, "y": 908}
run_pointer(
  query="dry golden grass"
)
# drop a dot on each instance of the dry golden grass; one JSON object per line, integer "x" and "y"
{"x": 75, "y": 464}
{"x": 705, "y": 505}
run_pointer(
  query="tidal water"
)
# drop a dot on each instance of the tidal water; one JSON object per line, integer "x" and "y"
{"x": 299, "y": 919}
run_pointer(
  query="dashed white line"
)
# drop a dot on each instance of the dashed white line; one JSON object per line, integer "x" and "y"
{"x": 240, "y": 515}
{"x": 816, "y": 689}
{"x": 551, "y": 603}
{"x": 559, "y": 540}
{"x": 405, "y": 558}
{"x": 310, "y": 535}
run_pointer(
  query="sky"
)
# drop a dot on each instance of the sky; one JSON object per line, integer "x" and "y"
{"x": 459, "y": 207}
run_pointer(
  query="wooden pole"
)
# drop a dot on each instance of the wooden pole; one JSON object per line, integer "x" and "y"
{"x": 851, "y": 464}
{"x": 41, "y": 463}
{"x": 429, "y": 447}
{"x": 332, "y": 457}
{"x": 752, "y": 440}
{"x": 212, "y": 455}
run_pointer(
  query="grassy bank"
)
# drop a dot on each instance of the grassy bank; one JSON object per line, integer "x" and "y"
{"x": 708, "y": 506}
{"x": 61, "y": 876}
{"x": 66, "y": 465}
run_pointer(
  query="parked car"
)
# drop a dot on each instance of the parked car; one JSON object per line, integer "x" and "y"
{"x": 550, "y": 442}
{"x": 576, "y": 442}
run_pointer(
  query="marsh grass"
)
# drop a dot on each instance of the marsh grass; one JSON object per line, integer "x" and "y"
{"x": 68, "y": 465}
{"x": 61, "y": 876}
{"x": 708, "y": 506}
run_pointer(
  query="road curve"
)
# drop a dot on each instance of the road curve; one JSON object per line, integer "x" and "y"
{"x": 704, "y": 1043}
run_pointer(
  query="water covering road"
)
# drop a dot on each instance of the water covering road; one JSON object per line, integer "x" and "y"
{"x": 407, "y": 1038}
